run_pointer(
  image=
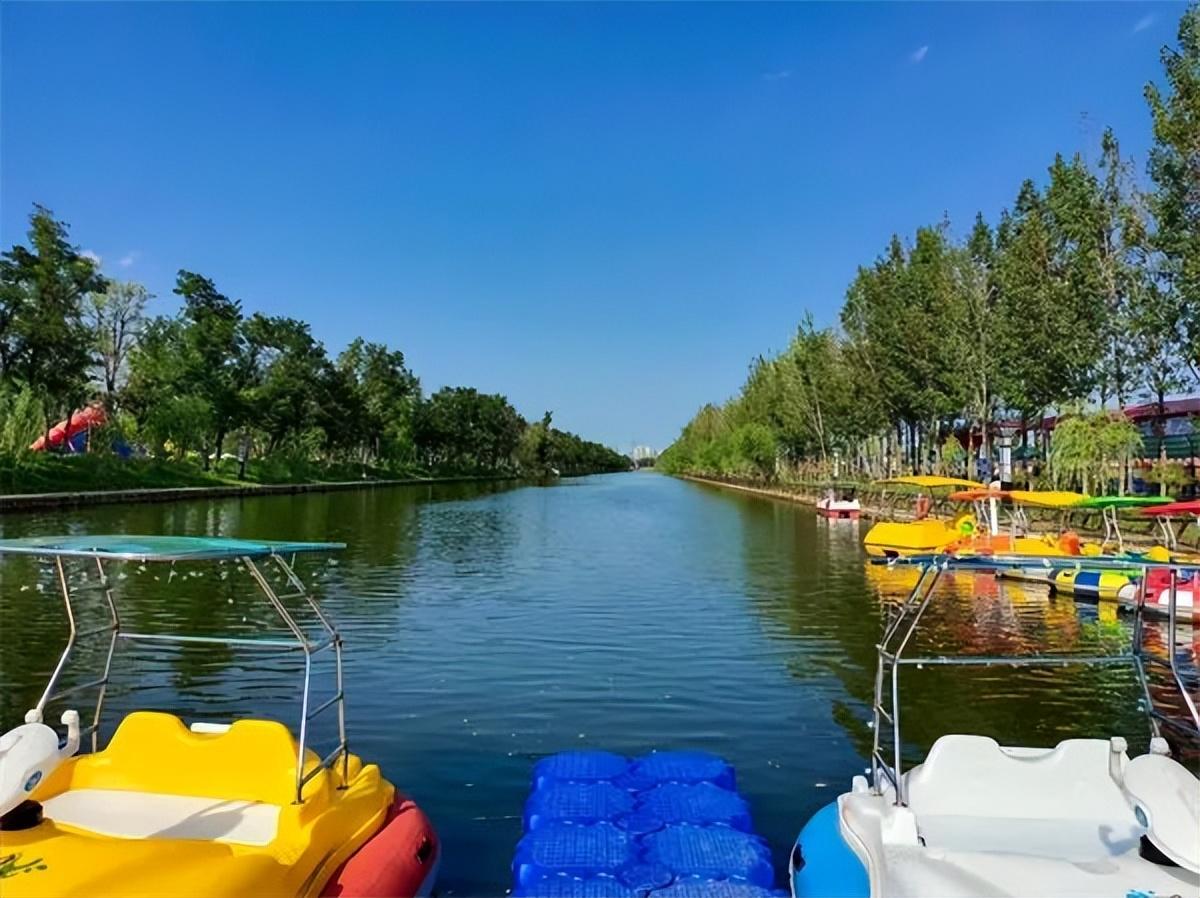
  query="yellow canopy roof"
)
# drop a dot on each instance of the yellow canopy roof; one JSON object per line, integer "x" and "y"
{"x": 1047, "y": 498}
{"x": 931, "y": 482}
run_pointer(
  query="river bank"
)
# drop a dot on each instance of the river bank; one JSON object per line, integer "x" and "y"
{"x": 16, "y": 502}
{"x": 897, "y": 505}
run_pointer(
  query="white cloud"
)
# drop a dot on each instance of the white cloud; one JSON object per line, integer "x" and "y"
{"x": 128, "y": 259}
{"x": 778, "y": 75}
{"x": 93, "y": 255}
{"x": 918, "y": 55}
{"x": 1144, "y": 22}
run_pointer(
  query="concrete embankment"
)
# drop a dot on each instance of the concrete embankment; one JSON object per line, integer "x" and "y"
{"x": 31, "y": 501}
{"x": 807, "y": 495}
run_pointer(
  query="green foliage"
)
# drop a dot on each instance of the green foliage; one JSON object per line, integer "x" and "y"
{"x": 22, "y": 419}
{"x": 44, "y": 343}
{"x": 755, "y": 445}
{"x": 462, "y": 430}
{"x": 1085, "y": 290}
{"x": 953, "y": 457}
{"x": 116, "y": 316}
{"x": 1175, "y": 169}
{"x": 1090, "y": 450}
{"x": 181, "y": 386}
{"x": 178, "y": 425}
{"x": 1171, "y": 476}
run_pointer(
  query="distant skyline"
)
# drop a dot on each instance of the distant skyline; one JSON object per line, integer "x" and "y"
{"x": 602, "y": 210}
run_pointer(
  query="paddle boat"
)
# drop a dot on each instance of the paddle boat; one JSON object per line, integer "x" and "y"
{"x": 164, "y": 808}
{"x": 987, "y": 537}
{"x": 1120, "y": 583}
{"x": 1166, "y": 514}
{"x": 892, "y": 539}
{"x": 978, "y": 818}
{"x": 840, "y": 508}
{"x": 1110, "y": 508}
{"x": 1017, "y": 538}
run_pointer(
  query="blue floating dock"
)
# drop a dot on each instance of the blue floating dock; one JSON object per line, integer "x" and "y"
{"x": 669, "y": 824}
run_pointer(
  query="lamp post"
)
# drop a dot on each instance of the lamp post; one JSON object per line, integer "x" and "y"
{"x": 1004, "y": 443}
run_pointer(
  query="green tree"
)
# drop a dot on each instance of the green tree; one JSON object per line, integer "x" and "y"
{"x": 978, "y": 358}
{"x": 1050, "y": 323}
{"x": 1175, "y": 169}
{"x": 1089, "y": 450}
{"x": 1121, "y": 259}
{"x": 755, "y": 444}
{"x": 285, "y": 395}
{"x": 44, "y": 343}
{"x": 214, "y": 366}
{"x": 116, "y": 317}
{"x": 383, "y": 402}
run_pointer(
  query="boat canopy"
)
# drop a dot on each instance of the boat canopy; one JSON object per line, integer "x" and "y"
{"x": 1123, "y": 501}
{"x": 930, "y": 481}
{"x": 1191, "y": 506}
{"x": 121, "y": 547}
{"x": 1047, "y": 498}
{"x": 975, "y": 495}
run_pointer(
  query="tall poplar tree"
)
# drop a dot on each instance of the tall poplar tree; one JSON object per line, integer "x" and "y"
{"x": 1175, "y": 169}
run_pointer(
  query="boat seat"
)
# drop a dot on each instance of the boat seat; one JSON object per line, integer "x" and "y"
{"x": 1168, "y": 796}
{"x": 251, "y": 761}
{"x": 125, "y": 814}
{"x": 973, "y": 795}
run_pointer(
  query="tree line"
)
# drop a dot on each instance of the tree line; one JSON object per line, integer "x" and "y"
{"x": 214, "y": 383}
{"x": 1085, "y": 293}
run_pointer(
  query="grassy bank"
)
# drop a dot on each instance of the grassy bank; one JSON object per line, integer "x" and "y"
{"x": 41, "y": 473}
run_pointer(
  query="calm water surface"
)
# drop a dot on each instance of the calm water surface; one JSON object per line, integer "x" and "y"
{"x": 489, "y": 626}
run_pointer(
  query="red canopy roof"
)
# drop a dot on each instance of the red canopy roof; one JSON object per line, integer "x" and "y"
{"x": 1191, "y": 506}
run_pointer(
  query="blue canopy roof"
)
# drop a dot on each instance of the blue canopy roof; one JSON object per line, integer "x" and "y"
{"x": 156, "y": 548}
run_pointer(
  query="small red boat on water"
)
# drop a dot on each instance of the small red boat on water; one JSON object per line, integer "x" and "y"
{"x": 844, "y": 508}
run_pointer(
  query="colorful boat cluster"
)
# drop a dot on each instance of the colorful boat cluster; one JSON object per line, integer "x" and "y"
{"x": 666, "y": 824}
{"x": 998, "y": 524}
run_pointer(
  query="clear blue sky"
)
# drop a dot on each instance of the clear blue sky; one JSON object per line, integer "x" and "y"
{"x": 604, "y": 210}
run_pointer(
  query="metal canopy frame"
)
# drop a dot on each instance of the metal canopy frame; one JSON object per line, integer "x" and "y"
{"x": 328, "y": 637}
{"x": 903, "y": 621}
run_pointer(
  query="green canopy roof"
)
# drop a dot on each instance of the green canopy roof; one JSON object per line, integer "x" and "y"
{"x": 156, "y": 548}
{"x": 1122, "y": 501}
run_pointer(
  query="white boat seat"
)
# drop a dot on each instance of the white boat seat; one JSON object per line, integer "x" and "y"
{"x": 973, "y": 795}
{"x": 152, "y": 815}
{"x": 1169, "y": 798}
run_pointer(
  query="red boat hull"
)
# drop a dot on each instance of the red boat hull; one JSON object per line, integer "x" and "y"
{"x": 399, "y": 861}
{"x": 838, "y": 514}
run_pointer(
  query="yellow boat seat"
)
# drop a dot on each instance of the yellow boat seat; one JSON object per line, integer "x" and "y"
{"x": 168, "y": 810}
{"x": 149, "y": 815}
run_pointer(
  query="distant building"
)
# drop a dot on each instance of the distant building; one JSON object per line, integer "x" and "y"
{"x": 643, "y": 456}
{"x": 1180, "y": 430}
{"x": 1180, "y": 426}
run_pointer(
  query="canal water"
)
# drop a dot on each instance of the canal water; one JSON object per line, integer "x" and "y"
{"x": 487, "y": 626}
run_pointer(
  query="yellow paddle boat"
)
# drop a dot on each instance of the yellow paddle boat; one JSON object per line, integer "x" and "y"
{"x": 925, "y": 535}
{"x": 239, "y": 809}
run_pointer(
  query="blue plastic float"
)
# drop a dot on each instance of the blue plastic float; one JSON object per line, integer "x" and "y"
{"x": 666, "y": 825}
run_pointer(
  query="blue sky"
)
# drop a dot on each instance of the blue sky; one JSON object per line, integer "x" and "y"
{"x": 604, "y": 210}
